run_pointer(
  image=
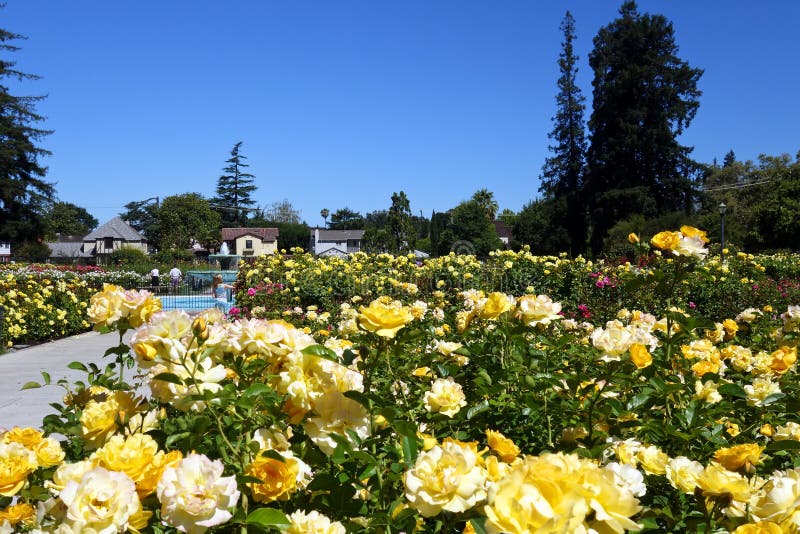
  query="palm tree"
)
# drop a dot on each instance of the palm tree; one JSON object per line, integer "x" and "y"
{"x": 486, "y": 201}
{"x": 324, "y": 212}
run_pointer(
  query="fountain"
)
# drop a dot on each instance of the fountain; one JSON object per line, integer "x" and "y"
{"x": 228, "y": 264}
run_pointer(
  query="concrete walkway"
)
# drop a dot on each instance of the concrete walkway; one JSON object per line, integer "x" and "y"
{"x": 18, "y": 367}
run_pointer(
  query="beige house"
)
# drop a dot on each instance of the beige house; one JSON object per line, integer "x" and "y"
{"x": 246, "y": 242}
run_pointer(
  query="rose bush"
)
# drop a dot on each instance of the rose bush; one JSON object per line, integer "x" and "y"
{"x": 476, "y": 410}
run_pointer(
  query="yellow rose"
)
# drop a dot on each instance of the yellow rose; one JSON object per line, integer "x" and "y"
{"x": 739, "y": 457}
{"x": 640, "y": 357}
{"x": 503, "y": 447}
{"x": 633, "y": 238}
{"x": 105, "y": 307}
{"x": 495, "y": 305}
{"x": 777, "y": 499}
{"x": 720, "y": 483}
{"x": 447, "y": 477}
{"x": 301, "y": 522}
{"x": 652, "y": 460}
{"x": 446, "y": 397}
{"x": 16, "y": 463}
{"x": 761, "y": 527}
{"x": 690, "y": 231}
{"x": 731, "y": 327}
{"x": 29, "y": 437}
{"x": 16, "y": 514}
{"x": 49, "y": 452}
{"x": 138, "y": 457}
{"x": 682, "y": 473}
{"x": 99, "y": 419}
{"x": 279, "y": 478}
{"x": 384, "y": 320}
{"x": 103, "y": 501}
{"x": 666, "y": 240}
{"x": 428, "y": 441}
{"x": 783, "y": 359}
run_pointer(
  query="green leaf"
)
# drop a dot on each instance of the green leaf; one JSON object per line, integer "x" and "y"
{"x": 410, "y": 449}
{"x": 321, "y": 352}
{"x": 478, "y": 524}
{"x": 177, "y": 437}
{"x": 46, "y": 377}
{"x": 783, "y": 445}
{"x": 267, "y": 518}
{"x": 169, "y": 377}
{"x": 732, "y": 390}
{"x": 78, "y": 366}
{"x": 31, "y": 385}
{"x": 256, "y": 390}
{"x": 478, "y": 409}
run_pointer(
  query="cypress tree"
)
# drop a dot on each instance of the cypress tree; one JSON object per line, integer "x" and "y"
{"x": 562, "y": 174}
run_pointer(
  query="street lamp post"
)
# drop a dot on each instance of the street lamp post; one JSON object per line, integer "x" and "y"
{"x": 722, "y": 207}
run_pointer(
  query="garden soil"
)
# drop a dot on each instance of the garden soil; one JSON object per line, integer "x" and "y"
{"x": 28, "y": 407}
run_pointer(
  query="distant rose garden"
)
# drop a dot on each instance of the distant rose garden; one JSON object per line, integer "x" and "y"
{"x": 383, "y": 394}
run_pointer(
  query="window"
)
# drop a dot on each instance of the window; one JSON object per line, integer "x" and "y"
{"x": 248, "y": 244}
{"x": 108, "y": 243}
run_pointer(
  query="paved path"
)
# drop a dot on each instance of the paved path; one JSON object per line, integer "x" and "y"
{"x": 18, "y": 367}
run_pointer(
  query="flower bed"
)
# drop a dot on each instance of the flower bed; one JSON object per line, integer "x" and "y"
{"x": 43, "y": 302}
{"x": 478, "y": 411}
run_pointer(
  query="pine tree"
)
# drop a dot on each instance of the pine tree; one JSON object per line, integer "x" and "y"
{"x": 562, "y": 174}
{"x": 234, "y": 189}
{"x": 644, "y": 97}
{"x": 24, "y": 194}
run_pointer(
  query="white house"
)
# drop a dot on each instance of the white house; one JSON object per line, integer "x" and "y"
{"x": 5, "y": 252}
{"x": 111, "y": 236}
{"x": 325, "y": 242}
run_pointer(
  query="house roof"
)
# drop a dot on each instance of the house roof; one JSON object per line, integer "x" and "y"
{"x": 338, "y": 235}
{"x": 116, "y": 228}
{"x": 502, "y": 229}
{"x": 67, "y": 249}
{"x": 266, "y": 234}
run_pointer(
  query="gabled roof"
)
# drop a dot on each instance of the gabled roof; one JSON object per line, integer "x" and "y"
{"x": 116, "y": 228}
{"x": 338, "y": 235}
{"x": 266, "y": 234}
{"x": 67, "y": 249}
{"x": 502, "y": 229}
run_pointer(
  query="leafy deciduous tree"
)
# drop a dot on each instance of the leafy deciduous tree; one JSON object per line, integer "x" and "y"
{"x": 185, "y": 217}
{"x": 65, "y": 218}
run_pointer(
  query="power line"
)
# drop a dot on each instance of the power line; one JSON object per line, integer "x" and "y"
{"x": 736, "y": 186}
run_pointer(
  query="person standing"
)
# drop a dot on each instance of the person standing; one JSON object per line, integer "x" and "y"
{"x": 175, "y": 276}
{"x": 154, "y": 280}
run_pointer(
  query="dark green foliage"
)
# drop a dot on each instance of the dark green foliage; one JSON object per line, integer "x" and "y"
{"x": 401, "y": 229}
{"x": 469, "y": 231}
{"x": 127, "y": 257}
{"x": 346, "y": 219}
{"x": 68, "y": 219}
{"x": 644, "y": 97}
{"x": 376, "y": 240}
{"x": 24, "y": 194}
{"x": 537, "y": 226}
{"x": 376, "y": 219}
{"x": 234, "y": 190}
{"x": 562, "y": 174}
{"x": 187, "y": 217}
{"x": 486, "y": 201}
{"x": 143, "y": 217}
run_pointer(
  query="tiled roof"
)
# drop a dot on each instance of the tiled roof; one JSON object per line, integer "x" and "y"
{"x": 502, "y": 229}
{"x": 116, "y": 228}
{"x": 266, "y": 234}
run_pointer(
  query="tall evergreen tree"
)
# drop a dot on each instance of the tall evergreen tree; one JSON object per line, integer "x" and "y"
{"x": 562, "y": 173}
{"x": 24, "y": 194}
{"x": 400, "y": 227}
{"x": 644, "y": 96}
{"x": 234, "y": 189}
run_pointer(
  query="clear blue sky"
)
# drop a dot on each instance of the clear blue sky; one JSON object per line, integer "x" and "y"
{"x": 342, "y": 102}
